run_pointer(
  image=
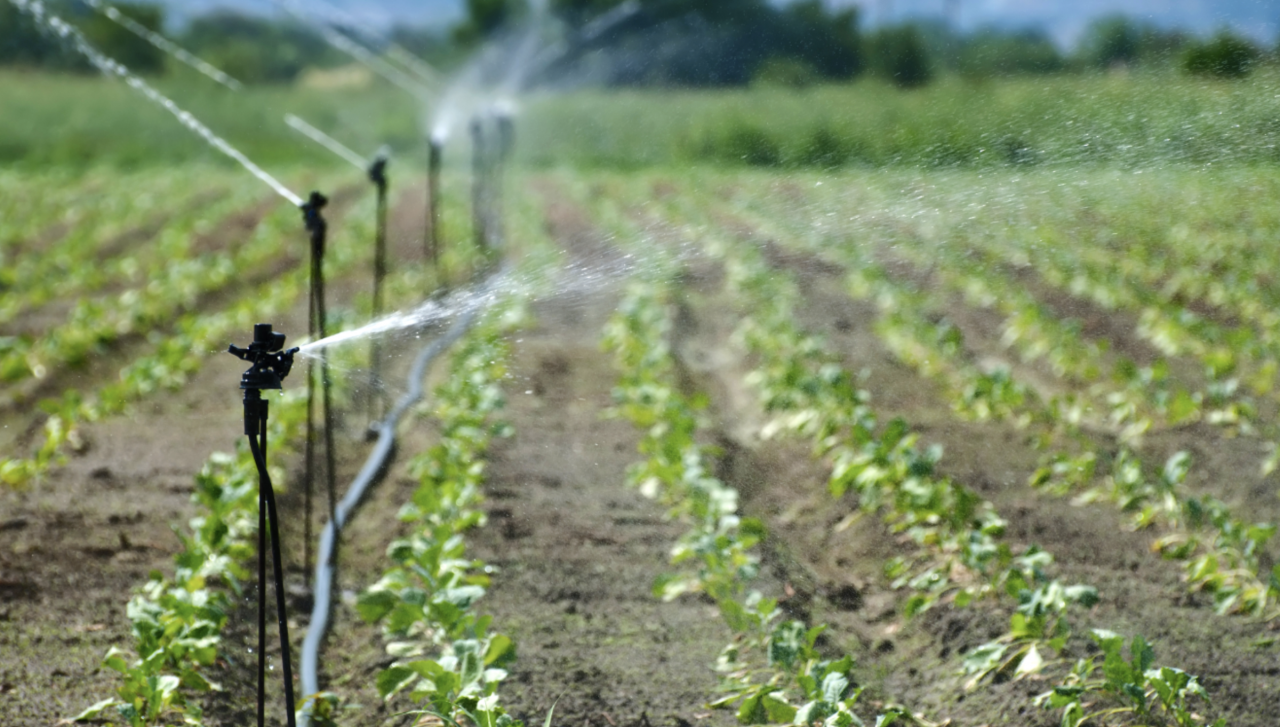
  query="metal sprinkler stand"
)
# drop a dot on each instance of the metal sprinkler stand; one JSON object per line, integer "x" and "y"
{"x": 479, "y": 185}
{"x": 378, "y": 175}
{"x": 269, "y": 366}
{"x": 435, "y": 158}
{"x": 318, "y": 228}
{"x": 506, "y": 143}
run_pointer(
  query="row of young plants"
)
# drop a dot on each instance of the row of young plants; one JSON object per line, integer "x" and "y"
{"x": 963, "y": 556}
{"x": 1039, "y": 623}
{"x": 124, "y": 260}
{"x": 772, "y": 672}
{"x": 177, "y": 621}
{"x": 174, "y": 285}
{"x": 448, "y": 659}
{"x": 1219, "y": 551}
{"x": 177, "y": 354}
{"x": 52, "y": 223}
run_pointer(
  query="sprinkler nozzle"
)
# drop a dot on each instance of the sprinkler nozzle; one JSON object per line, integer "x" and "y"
{"x": 311, "y": 210}
{"x": 378, "y": 170}
{"x": 270, "y": 365}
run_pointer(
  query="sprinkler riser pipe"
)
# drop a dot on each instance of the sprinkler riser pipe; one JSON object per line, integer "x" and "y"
{"x": 435, "y": 161}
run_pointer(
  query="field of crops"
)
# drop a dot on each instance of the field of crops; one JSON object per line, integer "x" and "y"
{"x": 878, "y": 439}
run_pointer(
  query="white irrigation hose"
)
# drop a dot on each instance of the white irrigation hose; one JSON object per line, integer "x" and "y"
{"x": 375, "y": 468}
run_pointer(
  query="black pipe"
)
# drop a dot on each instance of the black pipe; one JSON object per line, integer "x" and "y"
{"x": 378, "y": 175}
{"x": 269, "y": 367}
{"x": 435, "y": 159}
{"x": 479, "y": 184}
{"x": 506, "y": 132}
{"x": 316, "y": 225}
{"x": 373, "y": 471}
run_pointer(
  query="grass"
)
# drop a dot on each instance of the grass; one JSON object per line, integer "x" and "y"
{"x": 1132, "y": 120}
{"x": 83, "y": 121}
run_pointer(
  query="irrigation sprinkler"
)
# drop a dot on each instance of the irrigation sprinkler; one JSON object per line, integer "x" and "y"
{"x": 318, "y": 228}
{"x": 479, "y": 185}
{"x": 506, "y": 131}
{"x": 435, "y": 159}
{"x": 378, "y": 175}
{"x": 377, "y": 171}
{"x": 269, "y": 365}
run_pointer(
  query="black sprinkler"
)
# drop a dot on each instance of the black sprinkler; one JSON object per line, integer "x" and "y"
{"x": 269, "y": 365}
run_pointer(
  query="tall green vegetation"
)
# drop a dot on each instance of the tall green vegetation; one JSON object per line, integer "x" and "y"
{"x": 1224, "y": 56}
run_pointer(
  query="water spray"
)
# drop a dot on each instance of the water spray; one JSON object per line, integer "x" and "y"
{"x": 341, "y": 42}
{"x": 318, "y": 228}
{"x": 269, "y": 365}
{"x": 37, "y": 10}
{"x": 163, "y": 43}
{"x": 391, "y": 49}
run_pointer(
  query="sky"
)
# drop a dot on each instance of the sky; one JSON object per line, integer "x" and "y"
{"x": 1064, "y": 20}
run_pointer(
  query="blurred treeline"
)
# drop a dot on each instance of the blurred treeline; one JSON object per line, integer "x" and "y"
{"x": 688, "y": 43}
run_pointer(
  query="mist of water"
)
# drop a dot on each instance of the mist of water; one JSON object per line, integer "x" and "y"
{"x": 424, "y": 71}
{"x": 550, "y": 282}
{"x": 163, "y": 44}
{"x": 375, "y": 63}
{"x": 59, "y": 27}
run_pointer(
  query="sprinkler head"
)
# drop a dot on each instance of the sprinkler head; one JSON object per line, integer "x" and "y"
{"x": 311, "y": 211}
{"x": 270, "y": 365}
{"x": 378, "y": 170}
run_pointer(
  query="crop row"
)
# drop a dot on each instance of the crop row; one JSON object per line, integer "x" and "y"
{"x": 176, "y": 355}
{"x": 177, "y": 621}
{"x": 772, "y": 672}
{"x": 804, "y": 386}
{"x": 448, "y": 660}
{"x": 959, "y": 556}
{"x": 1219, "y": 550}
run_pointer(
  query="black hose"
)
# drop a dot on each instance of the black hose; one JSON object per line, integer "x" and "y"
{"x": 374, "y": 469}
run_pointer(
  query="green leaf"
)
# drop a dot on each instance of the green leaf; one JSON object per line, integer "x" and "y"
{"x": 834, "y": 686}
{"x": 373, "y": 605}
{"x": 95, "y": 710}
{"x": 393, "y": 679}
{"x": 501, "y": 649}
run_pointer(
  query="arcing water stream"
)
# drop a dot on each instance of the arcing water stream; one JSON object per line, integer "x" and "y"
{"x": 326, "y": 141}
{"x": 163, "y": 43}
{"x": 59, "y": 27}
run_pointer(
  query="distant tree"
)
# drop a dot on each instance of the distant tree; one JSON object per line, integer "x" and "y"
{"x": 254, "y": 49}
{"x": 1226, "y": 55}
{"x": 22, "y": 42}
{"x": 121, "y": 44}
{"x": 1111, "y": 41}
{"x": 899, "y": 54}
{"x": 1117, "y": 40}
{"x": 993, "y": 52}
{"x": 486, "y": 17}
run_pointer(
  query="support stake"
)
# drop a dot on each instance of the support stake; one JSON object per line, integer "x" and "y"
{"x": 377, "y": 397}
{"x": 269, "y": 366}
{"x": 318, "y": 228}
